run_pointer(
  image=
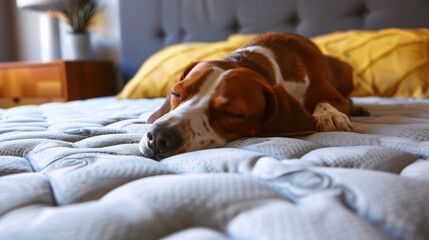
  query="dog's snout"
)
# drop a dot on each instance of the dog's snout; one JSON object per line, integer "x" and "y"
{"x": 163, "y": 140}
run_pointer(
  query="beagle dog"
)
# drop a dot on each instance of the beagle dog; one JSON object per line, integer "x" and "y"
{"x": 277, "y": 84}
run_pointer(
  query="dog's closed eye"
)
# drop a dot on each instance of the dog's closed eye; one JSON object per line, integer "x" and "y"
{"x": 231, "y": 114}
{"x": 175, "y": 94}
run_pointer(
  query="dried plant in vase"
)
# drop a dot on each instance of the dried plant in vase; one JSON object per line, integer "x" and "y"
{"x": 79, "y": 14}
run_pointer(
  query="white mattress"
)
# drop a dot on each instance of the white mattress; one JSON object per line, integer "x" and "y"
{"x": 73, "y": 171}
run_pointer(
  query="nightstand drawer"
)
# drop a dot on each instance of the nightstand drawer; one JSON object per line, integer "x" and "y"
{"x": 31, "y": 82}
{"x": 13, "y": 102}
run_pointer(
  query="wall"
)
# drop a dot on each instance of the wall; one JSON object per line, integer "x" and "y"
{"x": 7, "y": 33}
{"x": 105, "y": 34}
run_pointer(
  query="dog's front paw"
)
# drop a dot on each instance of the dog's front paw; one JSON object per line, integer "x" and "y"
{"x": 329, "y": 118}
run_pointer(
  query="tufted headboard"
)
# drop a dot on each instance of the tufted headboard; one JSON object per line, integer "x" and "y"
{"x": 149, "y": 25}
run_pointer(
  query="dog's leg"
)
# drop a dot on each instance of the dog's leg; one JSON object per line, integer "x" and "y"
{"x": 328, "y": 118}
{"x": 329, "y": 108}
{"x": 341, "y": 78}
{"x": 357, "y": 110}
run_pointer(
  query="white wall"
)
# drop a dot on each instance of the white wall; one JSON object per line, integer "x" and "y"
{"x": 105, "y": 34}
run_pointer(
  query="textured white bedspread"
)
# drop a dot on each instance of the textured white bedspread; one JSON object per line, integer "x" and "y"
{"x": 73, "y": 171}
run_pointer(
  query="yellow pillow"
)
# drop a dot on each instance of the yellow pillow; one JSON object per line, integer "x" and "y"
{"x": 389, "y": 62}
{"x": 159, "y": 72}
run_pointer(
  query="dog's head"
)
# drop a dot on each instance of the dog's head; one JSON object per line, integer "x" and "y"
{"x": 211, "y": 106}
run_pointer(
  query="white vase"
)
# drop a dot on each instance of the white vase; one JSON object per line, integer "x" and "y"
{"x": 77, "y": 46}
{"x": 49, "y": 38}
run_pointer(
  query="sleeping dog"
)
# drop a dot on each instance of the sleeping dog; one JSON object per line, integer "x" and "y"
{"x": 277, "y": 84}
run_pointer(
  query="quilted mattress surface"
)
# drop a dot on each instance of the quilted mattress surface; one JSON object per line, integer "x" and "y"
{"x": 73, "y": 171}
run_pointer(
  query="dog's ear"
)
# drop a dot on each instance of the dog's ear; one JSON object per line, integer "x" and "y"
{"x": 166, "y": 107}
{"x": 188, "y": 69}
{"x": 285, "y": 115}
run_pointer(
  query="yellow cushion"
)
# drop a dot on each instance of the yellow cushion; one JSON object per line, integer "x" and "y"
{"x": 158, "y": 74}
{"x": 389, "y": 62}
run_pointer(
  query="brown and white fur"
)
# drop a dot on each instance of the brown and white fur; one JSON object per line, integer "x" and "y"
{"x": 277, "y": 84}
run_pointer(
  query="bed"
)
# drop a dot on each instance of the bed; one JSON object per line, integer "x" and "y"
{"x": 74, "y": 170}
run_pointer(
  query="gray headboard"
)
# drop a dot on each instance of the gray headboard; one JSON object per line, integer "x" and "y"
{"x": 149, "y": 25}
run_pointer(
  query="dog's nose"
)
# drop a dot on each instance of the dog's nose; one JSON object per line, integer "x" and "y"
{"x": 163, "y": 140}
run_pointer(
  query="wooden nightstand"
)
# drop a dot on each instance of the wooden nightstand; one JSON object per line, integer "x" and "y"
{"x": 24, "y": 83}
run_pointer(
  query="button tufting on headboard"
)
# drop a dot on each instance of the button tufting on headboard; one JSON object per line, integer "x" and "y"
{"x": 363, "y": 11}
{"x": 293, "y": 20}
{"x": 235, "y": 26}
{"x": 160, "y": 34}
{"x": 181, "y": 34}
